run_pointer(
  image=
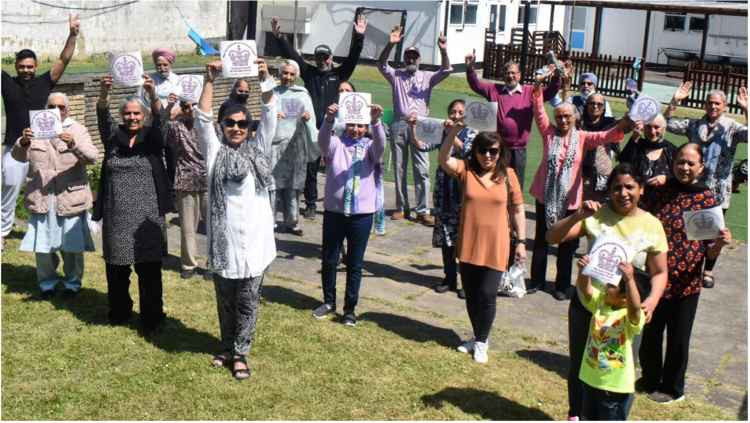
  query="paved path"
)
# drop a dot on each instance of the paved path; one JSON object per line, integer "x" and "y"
{"x": 401, "y": 267}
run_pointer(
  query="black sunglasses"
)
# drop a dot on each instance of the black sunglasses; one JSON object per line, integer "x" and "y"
{"x": 60, "y": 106}
{"x": 494, "y": 151}
{"x": 242, "y": 124}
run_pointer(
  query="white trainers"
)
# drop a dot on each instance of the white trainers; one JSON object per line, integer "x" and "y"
{"x": 467, "y": 347}
{"x": 480, "y": 352}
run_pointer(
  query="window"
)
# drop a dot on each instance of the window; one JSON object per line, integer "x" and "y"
{"x": 697, "y": 24}
{"x": 493, "y": 17}
{"x": 464, "y": 12}
{"x": 532, "y": 14}
{"x": 501, "y": 19}
{"x": 674, "y": 22}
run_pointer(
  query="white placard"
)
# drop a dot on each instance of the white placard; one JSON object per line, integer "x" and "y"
{"x": 429, "y": 130}
{"x": 267, "y": 84}
{"x": 605, "y": 255}
{"x": 191, "y": 87}
{"x": 644, "y": 109}
{"x": 355, "y": 108}
{"x": 126, "y": 69}
{"x": 481, "y": 115}
{"x": 238, "y": 58}
{"x": 292, "y": 107}
{"x": 45, "y": 123}
{"x": 703, "y": 224}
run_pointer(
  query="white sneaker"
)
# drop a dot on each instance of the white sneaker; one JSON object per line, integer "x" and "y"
{"x": 467, "y": 347}
{"x": 480, "y": 352}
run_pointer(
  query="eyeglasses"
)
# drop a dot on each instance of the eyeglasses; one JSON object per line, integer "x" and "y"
{"x": 242, "y": 124}
{"x": 59, "y": 106}
{"x": 494, "y": 151}
{"x": 587, "y": 83}
{"x": 594, "y": 104}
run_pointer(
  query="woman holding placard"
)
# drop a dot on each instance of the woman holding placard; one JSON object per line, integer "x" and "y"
{"x": 637, "y": 230}
{"x": 241, "y": 244}
{"x": 558, "y": 187}
{"x": 132, "y": 201}
{"x": 350, "y": 204}
{"x": 293, "y": 145}
{"x": 491, "y": 192}
{"x": 664, "y": 379}
{"x": 58, "y": 196}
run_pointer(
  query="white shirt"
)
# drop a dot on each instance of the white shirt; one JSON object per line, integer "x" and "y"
{"x": 164, "y": 87}
{"x": 251, "y": 246}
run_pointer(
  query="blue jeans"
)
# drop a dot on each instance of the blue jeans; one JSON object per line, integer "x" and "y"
{"x": 605, "y": 405}
{"x": 356, "y": 230}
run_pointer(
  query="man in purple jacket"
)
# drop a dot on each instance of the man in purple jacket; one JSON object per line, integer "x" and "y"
{"x": 514, "y": 113}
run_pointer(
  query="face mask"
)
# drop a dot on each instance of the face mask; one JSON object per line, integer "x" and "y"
{"x": 242, "y": 97}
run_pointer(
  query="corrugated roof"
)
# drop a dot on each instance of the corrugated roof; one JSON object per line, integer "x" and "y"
{"x": 696, "y": 6}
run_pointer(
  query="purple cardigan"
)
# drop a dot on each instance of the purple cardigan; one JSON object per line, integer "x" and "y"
{"x": 514, "y": 111}
{"x": 338, "y": 155}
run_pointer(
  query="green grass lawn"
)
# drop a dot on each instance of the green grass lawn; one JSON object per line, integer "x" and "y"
{"x": 61, "y": 361}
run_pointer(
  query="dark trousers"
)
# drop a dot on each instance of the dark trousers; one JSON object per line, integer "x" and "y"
{"x": 677, "y": 316}
{"x": 149, "y": 293}
{"x": 311, "y": 183}
{"x": 578, "y": 331}
{"x": 565, "y": 252}
{"x": 605, "y": 405}
{"x": 518, "y": 163}
{"x": 711, "y": 262}
{"x": 356, "y": 230}
{"x": 480, "y": 285}
{"x": 238, "y": 303}
{"x": 449, "y": 266}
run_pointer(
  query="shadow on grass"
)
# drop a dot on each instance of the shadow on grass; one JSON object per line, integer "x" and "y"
{"x": 488, "y": 405}
{"x": 280, "y": 295}
{"x": 91, "y": 306}
{"x": 413, "y": 329}
{"x": 547, "y": 360}
{"x": 742, "y": 412}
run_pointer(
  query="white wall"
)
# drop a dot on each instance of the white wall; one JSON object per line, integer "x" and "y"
{"x": 139, "y": 26}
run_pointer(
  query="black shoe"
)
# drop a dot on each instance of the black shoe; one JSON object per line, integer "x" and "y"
{"x": 350, "y": 319}
{"x": 461, "y": 294}
{"x": 309, "y": 213}
{"x": 442, "y": 288}
{"x": 323, "y": 310}
{"x": 70, "y": 293}
{"x": 46, "y": 295}
{"x": 207, "y": 275}
{"x": 187, "y": 274}
{"x": 663, "y": 398}
{"x": 643, "y": 387}
{"x": 560, "y": 295}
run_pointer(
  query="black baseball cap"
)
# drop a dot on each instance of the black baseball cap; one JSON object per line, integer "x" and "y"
{"x": 323, "y": 49}
{"x": 412, "y": 49}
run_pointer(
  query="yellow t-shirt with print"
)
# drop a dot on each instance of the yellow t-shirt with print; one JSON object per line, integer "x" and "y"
{"x": 608, "y": 358}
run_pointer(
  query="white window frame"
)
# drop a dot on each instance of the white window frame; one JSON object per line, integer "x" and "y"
{"x": 684, "y": 17}
{"x": 519, "y": 21}
{"x": 463, "y": 4}
{"x": 690, "y": 20}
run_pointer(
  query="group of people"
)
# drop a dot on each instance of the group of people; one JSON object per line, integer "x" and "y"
{"x": 235, "y": 173}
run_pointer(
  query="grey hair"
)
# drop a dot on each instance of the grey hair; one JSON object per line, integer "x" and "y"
{"x": 510, "y": 64}
{"x": 292, "y": 63}
{"x": 59, "y": 94}
{"x": 720, "y": 93}
{"x": 138, "y": 100}
{"x": 567, "y": 104}
{"x": 659, "y": 120}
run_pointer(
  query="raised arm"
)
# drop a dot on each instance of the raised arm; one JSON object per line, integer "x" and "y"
{"x": 583, "y": 282}
{"x": 355, "y": 49}
{"x": 393, "y": 39}
{"x": 287, "y": 51}
{"x": 20, "y": 150}
{"x": 482, "y": 88}
{"x": 445, "y": 62}
{"x": 268, "y": 116}
{"x": 446, "y": 160}
{"x": 378, "y": 132}
{"x": 150, "y": 89}
{"x": 104, "y": 119}
{"x": 67, "y": 53}
{"x": 571, "y": 227}
{"x": 683, "y": 91}
{"x": 540, "y": 115}
{"x": 325, "y": 139}
{"x": 611, "y": 135}
{"x": 550, "y": 91}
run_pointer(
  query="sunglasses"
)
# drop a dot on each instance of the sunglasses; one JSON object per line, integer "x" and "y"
{"x": 588, "y": 83}
{"x": 59, "y": 106}
{"x": 494, "y": 151}
{"x": 242, "y": 124}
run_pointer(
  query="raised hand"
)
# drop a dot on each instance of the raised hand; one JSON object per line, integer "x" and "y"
{"x": 375, "y": 112}
{"x": 470, "y": 58}
{"x": 67, "y": 138}
{"x": 331, "y": 112}
{"x": 583, "y": 261}
{"x": 148, "y": 85}
{"x": 275, "y": 27}
{"x": 360, "y": 24}
{"x": 627, "y": 270}
{"x": 742, "y": 98}
{"x": 172, "y": 98}
{"x": 442, "y": 41}
{"x": 588, "y": 208}
{"x": 262, "y": 69}
{"x": 682, "y": 92}
{"x": 411, "y": 120}
{"x": 568, "y": 69}
{"x": 75, "y": 24}
{"x": 395, "y": 36}
{"x": 213, "y": 69}
{"x": 26, "y": 137}
{"x": 105, "y": 84}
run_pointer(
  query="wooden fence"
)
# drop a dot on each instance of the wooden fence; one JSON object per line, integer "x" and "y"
{"x": 714, "y": 77}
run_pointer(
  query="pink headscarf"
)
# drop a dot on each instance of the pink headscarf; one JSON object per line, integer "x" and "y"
{"x": 165, "y": 53}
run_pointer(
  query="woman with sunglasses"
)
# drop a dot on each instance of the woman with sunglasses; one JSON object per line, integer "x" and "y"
{"x": 132, "y": 201}
{"x": 598, "y": 163}
{"x": 350, "y": 204}
{"x": 293, "y": 145}
{"x": 642, "y": 233}
{"x": 241, "y": 244}
{"x": 664, "y": 378}
{"x": 490, "y": 189}
{"x": 58, "y": 197}
{"x": 557, "y": 185}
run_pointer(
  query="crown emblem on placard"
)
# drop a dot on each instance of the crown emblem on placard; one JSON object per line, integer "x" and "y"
{"x": 646, "y": 108}
{"x": 703, "y": 221}
{"x": 290, "y": 107}
{"x": 46, "y": 121}
{"x": 609, "y": 260}
{"x": 239, "y": 56}
{"x": 189, "y": 85}
{"x": 479, "y": 111}
{"x": 354, "y": 105}
{"x": 126, "y": 67}
{"x": 430, "y": 127}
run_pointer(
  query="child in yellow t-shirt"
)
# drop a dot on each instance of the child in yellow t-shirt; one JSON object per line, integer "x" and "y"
{"x": 607, "y": 369}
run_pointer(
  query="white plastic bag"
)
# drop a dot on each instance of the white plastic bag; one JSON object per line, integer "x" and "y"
{"x": 513, "y": 283}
